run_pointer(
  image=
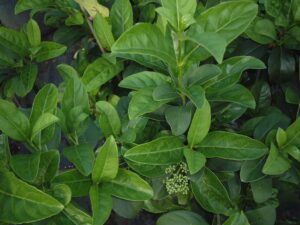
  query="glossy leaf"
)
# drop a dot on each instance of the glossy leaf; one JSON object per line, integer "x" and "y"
{"x": 231, "y": 146}
{"x": 195, "y": 160}
{"x": 162, "y": 151}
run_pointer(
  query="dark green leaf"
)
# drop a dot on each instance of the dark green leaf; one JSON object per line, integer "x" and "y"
{"x": 181, "y": 217}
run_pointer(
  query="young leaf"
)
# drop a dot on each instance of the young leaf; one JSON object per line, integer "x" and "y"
{"x": 232, "y": 146}
{"x": 211, "y": 194}
{"x": 162, "y": 151}
{"x": 13, "y": 122}
{"x": 109, "y": 119}
{"x": 195, "y": 160}
{"x": 14, "y": 195}
{"x": 121, "y": 16}
{"x": 200, "y": 125}
{"x": 107, "y": 162}
{"x": 82, "y": 156}
{"x": 102, "y": 204}
{"x": 33, "y": 33}
{"x": 129, "y": 186}
{"x": 180, "y": 217}
{"x": 103, "y": 31}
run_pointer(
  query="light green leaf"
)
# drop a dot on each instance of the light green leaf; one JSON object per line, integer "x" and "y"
{"x": 13, "y": 122}
{"x": 103, "y": 31}
{"x": 281, "y": 137}
{"x": 293, "y": 134}
{"x": 121, "y": 16}
{"x": 62, "y": 193}
{"x": 107, "y": 162}
{"x": 33, "y": 33}
{"x": 93, "y": 7}
{"x": 195, "y": 160}
{"x": 181, "y": 217}
{"x": 211, "y": 194}
{"x": 238, "y": 218}
{"x": 162, "y": 151}
{"x": 100, "y": 72}
{"x": 294, "y": 152}
{"x": 49, "y": 50}
{"x": 129, "y": 186}
{"x": 29, "y": 203}
{"x": 151, "y": 50}
{"x": 102, "y": 204}
{"x": 82, "y": 156}
{"x": 109, "y": 119}
{"x": 43, "y": 122}
{"x": 231, "y": 146}
{"x": 200, "y": 125}
{"x": 144, "y": 79}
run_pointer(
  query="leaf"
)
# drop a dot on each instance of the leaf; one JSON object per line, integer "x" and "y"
{"x": 232, "y": 146}
{"x": 281, "y": 137}
{"x": 200, "y": 125}
{"x": 78, "y": 183}
{"x": 196, "y": 94}
{"x": 82, "y": 156}
{"x": 265, "y": 215}
{"x": 165, "y": 93}
{"x": 238, "y": 218}
{"x": 121, "y": 16}
{"x": 212, "y": 42}
{"x": 23, "y": 5}
{"x": 33, "y": 33}
{"x": 294, "y": 152}
{"x": 13, "y": 122}
{"x": 195, "y": 160}
{"x": 62, "y": 193}
{"x": 279, "y": 10}
{"x": 127, "y": 209}
{"x": 25, "y": 200}
{"x": 180, "y": 217}
{"x": 14, "y": 41}
{"x": 178, "y": 13}
{"x": 26, "y": 166}
{"x": 229, "y": 19}
{"x": 162, "y": 151}
{"x": 276, "y": 163}
{"x": 237, "y": 94}
{"x": 107, "y": 162}
{"x": 109, "y": 119}
{"x": 103, "y": 31}
{"x": 179, "y": 118}
{"x": 102, "y": 204}
{"x": 49, "y": 50}
{"x": 27, "y": 79}
{"x": 144, "y": 79}
{"x": 142, "y": 102}
{"x": 93, "y": 7}
{"x": 151, "y": 50}
{"x": 293, "y": 134}
{"x": 129, "y": 186}
{"x": 262, "y": 190}
{"x": 211, "y": 194}
{"x": 99, "y": 73}
{"x": 252, "y": 170}
{"x": 43, "y": 122}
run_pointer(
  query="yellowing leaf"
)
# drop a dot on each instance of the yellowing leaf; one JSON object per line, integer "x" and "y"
{"x": 92, "y": 7}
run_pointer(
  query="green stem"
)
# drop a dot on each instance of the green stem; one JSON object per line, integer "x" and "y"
{"x": 180, "y": 66}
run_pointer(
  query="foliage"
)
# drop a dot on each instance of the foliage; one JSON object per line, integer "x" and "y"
{"x": 182, "y": 108}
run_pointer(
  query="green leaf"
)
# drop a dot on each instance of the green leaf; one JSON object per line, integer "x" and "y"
{"x": 276, "y": 163}
{"x": 26, "y": 166}
{"x": 144, "y": 79}
{"x": 200, "y": 125}
{"x": 162, "y": 151}
{"x": 103, "y": 31}
{"x": 294, "y": 152}
{"x": 293, "y": 134}
{"x": 43, "y": 122}
{"x": 252, "y": 170}
{"x": 229, "y": 19}
{"x": 78, "y": 183}
{"x": 204, "y": 74}
{"x": 14, "y": 41}
{"x": 262, "y": 190}
{"x": 33, "y": 33}
{"x": 100, "y": 72}
{"x": 178, "y": 13}
{"x": 62, "y": 193}
{"x": 179, "y": 118}
{"x": 281, "y": 137}
{"x": 82, "y": 156}
{"x": 109, "y": 119}
{"x": 196, "y": 94}
{"x": 165, "y": 93}
{"x": 195, "y": 160}
{"x": 49, "y": 50}
{"x": 127, "y": 209}
{"x": 23, "y": 5}
{"x": 107, "y": 162}
{"x": 102, "y": 204}
{"x": 121, "y": 16}
{"x": 13, "y": 122}
{"x": 280, "y": 10}
{"x": 142, "y": 102}
{"x": 180, "y": 217}
{"x": 14, "y": 194}
{"x": 211, "y": 194}
{"x": 237, "y": 219}
{"x": 232, "y": 146}
{"x": 129, "y": 186}
{"x": 151, "y": 50}
{"x": 265, "y": 215}
{"x": 237, "y": 94}
{"x": 93, "y": 7}
{"x": 28, "y": 75}
{"x": 212, "y": 42}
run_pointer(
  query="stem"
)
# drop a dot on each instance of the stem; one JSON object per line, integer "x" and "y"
{"x": 92, "y": 30}
{"x": 180, "y": 66}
